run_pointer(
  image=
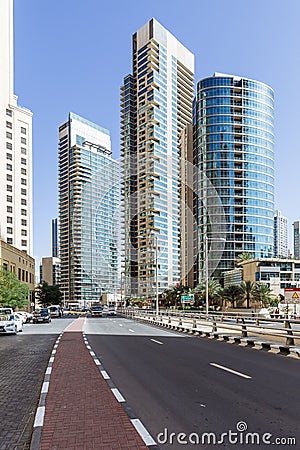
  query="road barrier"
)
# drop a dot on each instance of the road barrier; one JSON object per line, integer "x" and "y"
{"x": 245, "y": 329}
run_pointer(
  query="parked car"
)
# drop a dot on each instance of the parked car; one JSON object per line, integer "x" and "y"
{"x": 26, "y": 316}
{"x": 10, "y": 322}
{"x": 41, "y": 315}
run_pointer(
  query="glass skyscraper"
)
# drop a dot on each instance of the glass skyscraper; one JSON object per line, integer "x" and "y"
{"x": 156, "y": 102}
{"x": 234, "y": 154}
{"x": 88, "y": 211}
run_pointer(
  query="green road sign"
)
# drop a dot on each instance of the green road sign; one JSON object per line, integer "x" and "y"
{"x": 187, "y": 298}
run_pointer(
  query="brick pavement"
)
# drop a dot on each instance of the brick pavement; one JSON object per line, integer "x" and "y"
{"x": 81, "y": 411}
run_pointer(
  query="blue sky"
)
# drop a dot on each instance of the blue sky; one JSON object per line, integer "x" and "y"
{"x": 72, "y": 55}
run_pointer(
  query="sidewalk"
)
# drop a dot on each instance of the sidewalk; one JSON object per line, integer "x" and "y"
{"x": 81, "y": 412}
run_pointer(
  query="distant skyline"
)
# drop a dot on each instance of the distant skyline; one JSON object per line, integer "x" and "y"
{"x": 72, "y": 56}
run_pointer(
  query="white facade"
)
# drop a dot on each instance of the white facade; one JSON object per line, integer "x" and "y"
{"x": 15, "y": 145}
{"x": 280, "y": 235}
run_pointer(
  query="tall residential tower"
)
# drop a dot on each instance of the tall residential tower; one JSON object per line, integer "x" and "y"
{"x": 88, "y": 211}
{"x": 280, "y": 235}
{"x": 15, "y": 145}
{"x": 156, "y": 102}
{"x": 234, "y": 153}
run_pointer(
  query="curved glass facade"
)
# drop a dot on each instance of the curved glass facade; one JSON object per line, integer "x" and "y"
{"x": 234, "y": 140}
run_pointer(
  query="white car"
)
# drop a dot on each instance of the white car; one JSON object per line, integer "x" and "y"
{"x": 9, "y": 321}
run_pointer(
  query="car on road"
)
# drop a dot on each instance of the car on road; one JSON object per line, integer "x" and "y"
{"x": 55, "y": 311}
{"x": 25, "y": 315}
{"x": 96, "y": 311}
{"x": 41, "y": 315}
{"x": 9, "y": 321}
{"x": 111, "y": 312}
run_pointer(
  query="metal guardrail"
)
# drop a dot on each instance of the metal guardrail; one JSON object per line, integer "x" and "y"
{"x": 242, "y": 325}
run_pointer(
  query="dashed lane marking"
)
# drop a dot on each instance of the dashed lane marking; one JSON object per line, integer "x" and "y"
{"x": 156, "y": 342}
{"x": 147, "y": 438}
{"x": 230, "y": 370}
{"x": 118, "y": 395}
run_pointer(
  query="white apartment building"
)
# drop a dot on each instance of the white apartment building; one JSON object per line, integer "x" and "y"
{"x": 280, "y": 235}
{"x": 15, "y": 147}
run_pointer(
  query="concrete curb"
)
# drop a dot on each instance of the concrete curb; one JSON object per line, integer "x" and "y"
{"x": 35, "y": 443}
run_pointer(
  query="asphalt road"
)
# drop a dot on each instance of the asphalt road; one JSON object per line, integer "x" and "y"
{"x": 185, "y": 384}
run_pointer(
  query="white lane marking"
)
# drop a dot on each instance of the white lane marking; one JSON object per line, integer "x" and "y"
{"x": 120, "y": 324}
{"x": 45, "y": 387}
{"x": 49, "y": 370}
{"x": 97, "y": 362}
{"x": 89, "y": 347}
{"x": 157, "y": 342}
{"x": 53, "y": 352}
{"x": 147, "y": 438}
{"x": 105, "y": 374}
{"x": 55, "y": 346}
{"x": 132, "y": 331}
{"x": 51, "y": 359}
{"x": 92, "y": 354}
{"x": 39, "y": 417}
{"x": 118, "y": 395}
{"x": 230, "y": 370}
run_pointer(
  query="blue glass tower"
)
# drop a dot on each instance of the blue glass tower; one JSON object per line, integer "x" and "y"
{"x": 234, "y": 153}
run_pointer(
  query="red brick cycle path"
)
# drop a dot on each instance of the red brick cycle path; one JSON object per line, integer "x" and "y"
{"x": 81, "y": 411}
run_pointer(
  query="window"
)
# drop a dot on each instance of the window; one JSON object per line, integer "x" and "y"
{"x": 9, "y": 112}
{"x": 9, "y": 188}
{"x": 9, "y": 230}
{"x": 23, "y": 212}
{"x": 8, "y": 135}
{"x": 9, "y": 209}
{"x": 23, "y": 130}
{"x": 8, "y": 146}
{"x": 23, "y": 181}
{"x": 23, "y": 232}
{"x": 9, "y": 219}
{"x": 23, "y": 161}
{"x": 8, "y": 125}
{"x": 9, "y": 156}
{"x": 23, "y": 191}
{"x": 10, "y": 241}
{"x": 9, "y": 198}
{"x": 23, "y": 201}
{"x": 23, "y": 151}
{"x": 9, "y": 177}
{"x": 23, "y": 171}
{"x": 23, "y": 242}
{"x": 23, "y": 140}
{"x": 24, "y": 222}
{"x": 8, "y": 167}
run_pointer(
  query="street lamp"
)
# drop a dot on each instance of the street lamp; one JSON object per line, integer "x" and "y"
{"x": 122, "y": 273}
{"x": 156, "y": 272}
{"x": 206, "y": 266}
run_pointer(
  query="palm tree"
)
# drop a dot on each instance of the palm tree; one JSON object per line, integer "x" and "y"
{"x": 244, "y": 257}
{"x": 247, "y": 289}
{"x": 262, "y": 294}
{"x": 233, "y": 294}
{"x": 213, "y": 290}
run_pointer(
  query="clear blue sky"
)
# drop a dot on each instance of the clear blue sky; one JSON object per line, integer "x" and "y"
{"x": 72, "y": 55}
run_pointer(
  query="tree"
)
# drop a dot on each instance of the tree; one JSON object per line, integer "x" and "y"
{"x": 173, "y": 294}
{"x": 248, "y": 289}
{"x": 13, "y": 294}
{"x": 262, "y": 294}
{"x": 233, "y": 294}
{"x": 48, "y": 295}
{"x": 244, "y": 257}
{"x": 214, "y": 289}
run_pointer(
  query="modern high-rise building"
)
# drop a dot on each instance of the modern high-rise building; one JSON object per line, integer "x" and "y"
{"x": 156, "y": 105}
{"x": 16, "y": 147}
{"x": 234, "y": 153}
{"x": 89, "y": 198}
{"x": 296, "y": 236}
{"x": 54, "y": 238}
{"x": 280, "y": 235}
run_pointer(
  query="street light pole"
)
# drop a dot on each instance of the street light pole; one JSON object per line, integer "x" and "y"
{"x": 206, "y": 267}
{"x": 156, "y": 275}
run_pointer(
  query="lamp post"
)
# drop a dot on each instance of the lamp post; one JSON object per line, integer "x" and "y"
{"x": 206, "y": 267}
{"x": 122, "y": 273}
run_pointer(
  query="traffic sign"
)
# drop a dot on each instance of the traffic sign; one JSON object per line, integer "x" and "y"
{"x": 187, "y": 298}
{"x": 292, "y": 294}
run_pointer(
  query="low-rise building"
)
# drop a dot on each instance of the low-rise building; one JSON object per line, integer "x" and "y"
{"x": 19, "y": 263}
